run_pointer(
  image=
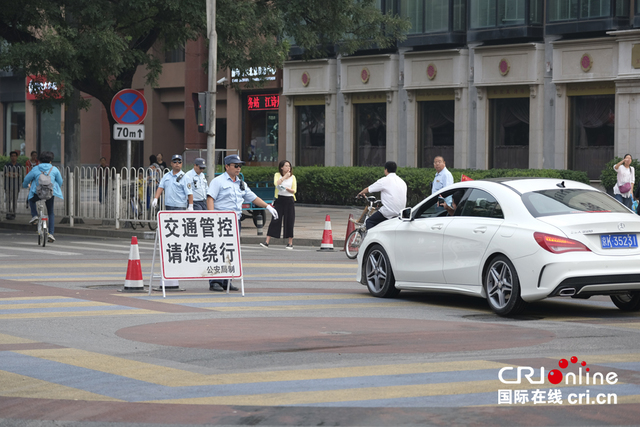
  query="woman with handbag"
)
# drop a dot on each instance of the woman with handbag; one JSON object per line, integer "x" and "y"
{"x": 285, "y": 193}
{"x": 626, "y": 178}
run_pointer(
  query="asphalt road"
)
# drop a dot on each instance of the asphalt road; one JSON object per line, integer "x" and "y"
{"x": 307, "y": 345}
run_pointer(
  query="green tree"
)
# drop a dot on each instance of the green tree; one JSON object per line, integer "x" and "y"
{"x": 97, "y": 46}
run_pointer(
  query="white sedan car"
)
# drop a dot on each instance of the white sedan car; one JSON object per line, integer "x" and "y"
{"x": 510, "y": 240}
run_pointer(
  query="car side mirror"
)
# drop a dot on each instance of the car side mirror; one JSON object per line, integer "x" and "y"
{"x": 406, "y": 214}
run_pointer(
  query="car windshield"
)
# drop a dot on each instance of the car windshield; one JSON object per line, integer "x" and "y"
{"x": 568, "y": 201}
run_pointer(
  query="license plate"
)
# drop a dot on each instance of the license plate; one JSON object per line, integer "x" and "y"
{"x": 613, "y": 241}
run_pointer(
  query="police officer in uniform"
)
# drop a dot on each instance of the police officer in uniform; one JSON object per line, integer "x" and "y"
{"x": 228, "y": 192}
{"x": 174, "y": 185}
{"x": 196, "y": 179}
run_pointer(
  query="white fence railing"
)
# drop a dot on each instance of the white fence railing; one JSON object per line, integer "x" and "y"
{"x": 92, "y": 193}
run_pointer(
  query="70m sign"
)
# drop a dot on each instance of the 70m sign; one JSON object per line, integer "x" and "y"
{"x": 128, "y": 132}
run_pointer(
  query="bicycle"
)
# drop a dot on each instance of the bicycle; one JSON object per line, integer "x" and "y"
{"x": 355, "y": 238}
{"x": 135, "y": 205}
{"x": 43, "y": 223}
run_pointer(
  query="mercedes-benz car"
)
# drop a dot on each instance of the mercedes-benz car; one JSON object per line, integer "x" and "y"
{"x": 511, "y": 241}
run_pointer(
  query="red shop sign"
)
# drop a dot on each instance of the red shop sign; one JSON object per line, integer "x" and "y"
{"x": 263, "y": 102}
{"x": 39, "y": 88}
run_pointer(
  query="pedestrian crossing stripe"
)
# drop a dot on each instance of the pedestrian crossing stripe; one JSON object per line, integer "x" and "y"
{"x": 106, "y": 265}
{"x": 274, "y": 302}
{"x": 66, "y": 373}
{"x": 14, "y": 385}
{"x": 47, "y": 307}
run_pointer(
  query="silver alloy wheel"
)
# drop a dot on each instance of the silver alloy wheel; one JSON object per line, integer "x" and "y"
{"x": 376, "y": 270}
{"x": 500, "y": 284}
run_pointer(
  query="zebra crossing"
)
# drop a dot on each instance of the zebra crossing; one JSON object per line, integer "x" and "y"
{"x": 69, "y": 373}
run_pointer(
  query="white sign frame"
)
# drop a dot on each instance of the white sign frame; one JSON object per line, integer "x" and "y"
{"x": 204, "y": 260}
{"x": 134, "y": 132}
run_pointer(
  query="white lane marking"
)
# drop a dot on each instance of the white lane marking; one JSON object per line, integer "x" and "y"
{"x": 48, "y": 250}
{"x": 121, "y": 246}
{"x": 82, "y": 248}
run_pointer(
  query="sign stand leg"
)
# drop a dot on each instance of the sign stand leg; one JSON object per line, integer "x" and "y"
{"x": 242, "y": 284}
{"x": 153, "y": 261}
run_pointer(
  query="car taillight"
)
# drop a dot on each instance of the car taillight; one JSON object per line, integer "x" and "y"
{"x": 557, "y": 244}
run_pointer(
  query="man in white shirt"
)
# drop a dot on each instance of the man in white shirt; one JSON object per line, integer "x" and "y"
{"x": 443, "y": 176}
{"x": 393, "y": 194}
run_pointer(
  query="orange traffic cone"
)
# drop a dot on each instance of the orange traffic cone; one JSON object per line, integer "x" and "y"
{"x": 133, "y": 282}
{"x": 327, "y": 237}
{"x": 350, "y": 227}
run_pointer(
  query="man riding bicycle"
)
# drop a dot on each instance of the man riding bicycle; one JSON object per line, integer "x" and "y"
{"x": 393, "y": 195}
{"x": 45, "y": 166}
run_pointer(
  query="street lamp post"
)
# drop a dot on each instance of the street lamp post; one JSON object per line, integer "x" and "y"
{"x": 211, "y": 95}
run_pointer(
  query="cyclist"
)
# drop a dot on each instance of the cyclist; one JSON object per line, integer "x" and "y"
{"x": 393, "y": 194}
{"x": 45, "y": 166}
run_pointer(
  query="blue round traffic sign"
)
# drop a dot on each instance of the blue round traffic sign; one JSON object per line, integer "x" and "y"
{"x": 128, "y": 107}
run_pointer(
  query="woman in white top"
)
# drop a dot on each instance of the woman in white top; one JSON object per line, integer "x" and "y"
{"x": 286, "y": 187}
{"x": 626, "y": 178}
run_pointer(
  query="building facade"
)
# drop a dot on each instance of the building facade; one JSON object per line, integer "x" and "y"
{"x": 483, "y": 83}
{"x": 248, "y": 120}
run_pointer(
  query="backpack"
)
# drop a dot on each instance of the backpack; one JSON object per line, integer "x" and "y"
{"x": 44, "y": 189}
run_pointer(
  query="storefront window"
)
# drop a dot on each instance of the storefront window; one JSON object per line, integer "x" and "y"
{"x": 509, "y": 133}
{"x": 311, "y": 137}
{"x": 429, "y": 16}
{"x": 413, "y": 11}
{"x": 371, "y": 137}
{"x": 261, "y": 128}
{"x": 15, "y": 127}
{"x": 483, "y": 13}
{"x": 560, "y": 10}
{"x": 595, "y": 8}
{"x": 436, "y": 132}
{"x": 511, "y": 12}
{"x": 592, "y": 132}
{"x": 49, "y": 134}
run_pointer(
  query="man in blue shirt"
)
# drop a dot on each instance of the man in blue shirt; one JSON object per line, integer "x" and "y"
{"x": 177, "y": 194}
{"x": 443, "y": 176}
{"x": 227, "y": 192}
{"x": 196, "y": 180}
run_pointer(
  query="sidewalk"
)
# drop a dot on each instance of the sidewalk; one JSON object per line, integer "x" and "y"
{"x": 308, "y": 230}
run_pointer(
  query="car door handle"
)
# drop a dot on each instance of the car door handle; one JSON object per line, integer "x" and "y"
{"x": 480, "y": 230}
{"x": 436, "y": 227}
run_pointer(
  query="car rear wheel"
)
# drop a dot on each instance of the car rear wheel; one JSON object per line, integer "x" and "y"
{"x": 378, "y": 273}
{"x": 627, "y": 302}
{"x": 503, "y": 287}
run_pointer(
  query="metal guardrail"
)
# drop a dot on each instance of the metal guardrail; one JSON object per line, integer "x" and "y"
{"x": 96, "y": 193}
{"x": 92, "y": 193}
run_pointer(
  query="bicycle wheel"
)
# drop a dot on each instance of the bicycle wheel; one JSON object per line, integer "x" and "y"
{"x": 352, "y": 245}
{"x": 153, "y": 217}
{"x": 133, "y": 214}
{"x": 39, "y": 232}
{"x": 45, "y": 231}
{"x": 140, "y": 214}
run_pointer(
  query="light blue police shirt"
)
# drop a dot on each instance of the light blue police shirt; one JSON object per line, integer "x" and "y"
{"x": 198, "y": 184}
{"x": 175, "y": 191}
{"x": 443, "y": 179}
{"x": 227, "y": 196}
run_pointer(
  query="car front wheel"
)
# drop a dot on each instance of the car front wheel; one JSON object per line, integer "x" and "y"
{"x": 503, "y": 287}
{"x": 378, "y": 273}
{"x": 627, "y": 302}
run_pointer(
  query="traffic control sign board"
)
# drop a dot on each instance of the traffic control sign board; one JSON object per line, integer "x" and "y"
{"x": 128, "y": 107}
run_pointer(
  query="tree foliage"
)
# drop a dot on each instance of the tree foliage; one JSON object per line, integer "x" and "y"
{"x": 97, "y": 46}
